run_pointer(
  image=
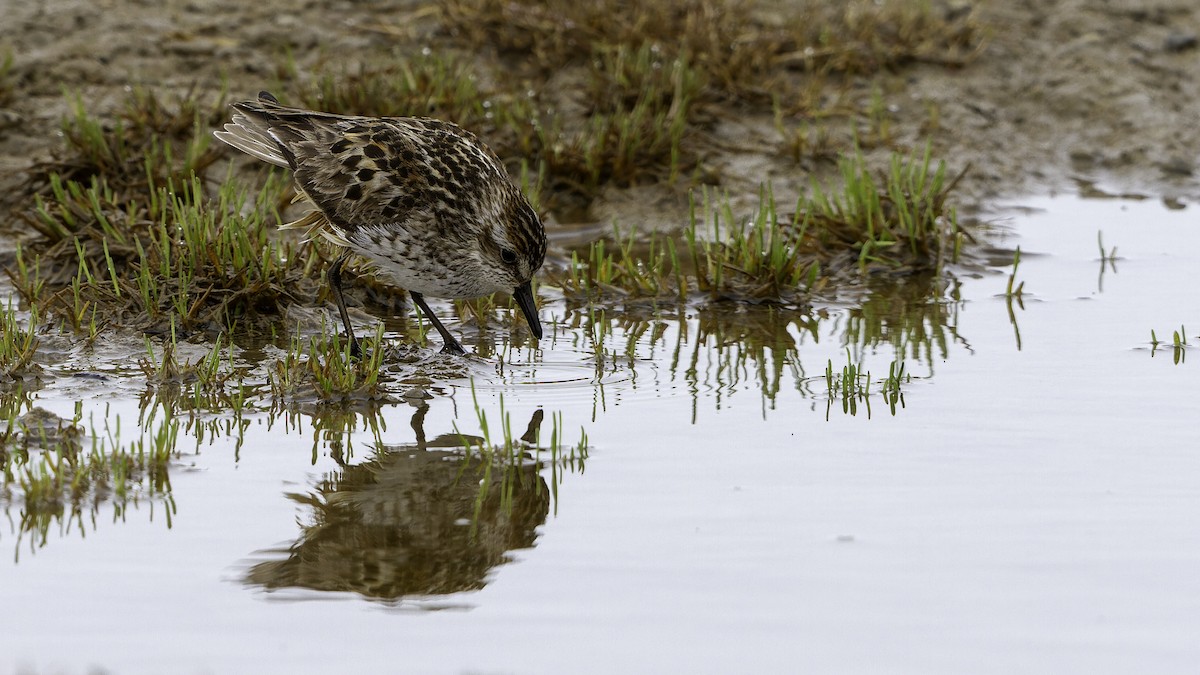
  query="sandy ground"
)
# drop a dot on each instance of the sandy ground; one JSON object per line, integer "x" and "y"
{"x": 1066, "y": 94}
{"x": 1076, "y": 92}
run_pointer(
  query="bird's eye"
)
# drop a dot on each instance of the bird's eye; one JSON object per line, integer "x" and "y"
{"x": 508, "y": 255}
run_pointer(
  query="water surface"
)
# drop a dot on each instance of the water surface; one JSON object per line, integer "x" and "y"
{"x": 1030, "y": 505}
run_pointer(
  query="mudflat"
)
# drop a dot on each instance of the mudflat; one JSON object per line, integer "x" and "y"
{"x": 1050, "y": 96}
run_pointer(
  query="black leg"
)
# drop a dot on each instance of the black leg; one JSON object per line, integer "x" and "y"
{"x": 334, "y": 276}
{"x": 449, "y": 344}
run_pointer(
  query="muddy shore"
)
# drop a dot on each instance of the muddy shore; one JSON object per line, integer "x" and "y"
{"x": 1062, "y": 96}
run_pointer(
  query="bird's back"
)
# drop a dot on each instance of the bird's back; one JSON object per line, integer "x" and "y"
{"x": 370, "y": 172}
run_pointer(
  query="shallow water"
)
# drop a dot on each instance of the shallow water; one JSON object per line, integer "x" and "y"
{"x": 1030, "y": 506}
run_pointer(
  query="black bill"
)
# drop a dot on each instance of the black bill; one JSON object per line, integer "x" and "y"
{"x": 524, "y": 297}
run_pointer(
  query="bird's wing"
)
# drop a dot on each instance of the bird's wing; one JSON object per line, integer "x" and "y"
{"x": 350, "y": 168}
{"x": 355, "y": 172}
{"x": 367, "y": 172}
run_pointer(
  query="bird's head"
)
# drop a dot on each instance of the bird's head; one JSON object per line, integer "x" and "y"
{"x": 514, "y": 249}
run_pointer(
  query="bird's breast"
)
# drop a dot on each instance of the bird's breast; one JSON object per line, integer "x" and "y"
{"x": 418, "y": 261}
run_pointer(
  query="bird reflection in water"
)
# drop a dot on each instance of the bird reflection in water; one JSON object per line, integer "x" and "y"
{"x": 415, "y": 520}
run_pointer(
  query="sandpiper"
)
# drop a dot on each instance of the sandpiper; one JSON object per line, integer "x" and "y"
{"x": 423, "y": 199}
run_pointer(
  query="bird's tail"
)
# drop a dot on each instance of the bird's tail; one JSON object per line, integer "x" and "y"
{"x": 250, "y": 133}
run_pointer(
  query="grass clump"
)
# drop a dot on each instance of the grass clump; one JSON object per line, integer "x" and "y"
{"x": 164, "y": 260}
{"x": 639, "y": 110}
{"x": 868, "y": 36}
{"x": 148, "y": 142}
{"x": 760, "y": 257}
{"x": 744, "y": 48}
{"x": 166, "y": 370}
{"x": 430, "y": 85}
{"x": 8, "y": 85}
{"x": 650, "y": 82}
{"x": 641, "y": 106}
{"x": 131, "y": 236}
{"x": 18, "y": 346}
{"x": 613, "y": 93}
{"x": 901, "y": 222}
{"x": 629, "y": 266}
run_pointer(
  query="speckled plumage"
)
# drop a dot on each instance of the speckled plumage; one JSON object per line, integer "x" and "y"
{"x": 423, "y": 199}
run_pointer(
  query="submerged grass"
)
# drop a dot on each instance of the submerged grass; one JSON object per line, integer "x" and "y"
{"x": 916, "y": 316}
{"x": 759, "y": 346}
{"x": 62, "y": 474}
{"x": 1179, "y": 344}
{"x": 213, "y": 382}
{"x": 321, "y": 369}
{"x": 1014, "y": 290}
{"x": 852, "y": 386}
{"x": 714, "y": 352}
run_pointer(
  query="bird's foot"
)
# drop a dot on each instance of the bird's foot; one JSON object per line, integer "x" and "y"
{"x": 453, "y": 347}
